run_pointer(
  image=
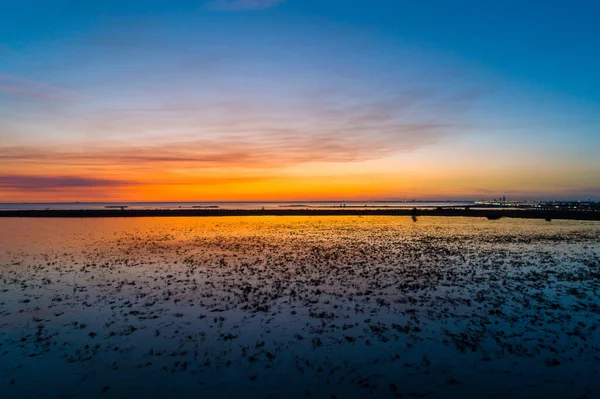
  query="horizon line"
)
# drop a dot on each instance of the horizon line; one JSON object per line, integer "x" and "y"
{"x": 296, "y": 201}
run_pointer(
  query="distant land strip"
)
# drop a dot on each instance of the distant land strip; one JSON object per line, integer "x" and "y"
{"x": 120, "y": 213}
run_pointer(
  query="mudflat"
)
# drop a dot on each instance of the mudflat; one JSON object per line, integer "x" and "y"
{"x": 319, "y": 306}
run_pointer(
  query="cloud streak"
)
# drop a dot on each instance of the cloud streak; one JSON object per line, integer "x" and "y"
{"x": 21, "y": 87}
{"x": 242, "y": 5}
{"x": 237, "y": 143}
{"x": 271, "y": 148}
{"x": 49, "y": 183}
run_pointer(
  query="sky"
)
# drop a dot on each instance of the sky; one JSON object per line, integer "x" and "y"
{"x": 285, "y": 100}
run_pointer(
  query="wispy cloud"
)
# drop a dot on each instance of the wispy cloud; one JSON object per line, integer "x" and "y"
{"x": 22, "y": 87}
{"x": 250, "y": 136}
{"x": 47, "y": 183}
{"x": 270, "y": 148}
{"x": 242, "y": 5}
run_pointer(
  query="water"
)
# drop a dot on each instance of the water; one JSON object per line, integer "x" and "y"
{"x": 259, "y": 307}
{"x": 232, "y": 205}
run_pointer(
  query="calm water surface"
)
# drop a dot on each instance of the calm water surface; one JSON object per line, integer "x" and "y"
{"x": 228, "y": 205}
{"x": 323, "y": 307}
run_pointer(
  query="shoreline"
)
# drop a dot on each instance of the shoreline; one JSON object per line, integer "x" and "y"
{"x": 127, "y": 213}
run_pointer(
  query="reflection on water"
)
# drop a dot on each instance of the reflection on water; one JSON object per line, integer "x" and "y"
{"x": 299, "y": 307}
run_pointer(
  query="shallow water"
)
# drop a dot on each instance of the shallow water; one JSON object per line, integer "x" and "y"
{"x": 325, "y": 307}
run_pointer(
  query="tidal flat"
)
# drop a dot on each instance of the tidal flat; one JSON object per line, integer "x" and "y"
{"x": 299, "y": 307}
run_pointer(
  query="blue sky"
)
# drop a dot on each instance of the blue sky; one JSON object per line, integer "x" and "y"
{"x": 427, "y": 99}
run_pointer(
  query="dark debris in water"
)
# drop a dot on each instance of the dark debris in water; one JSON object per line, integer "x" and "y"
{"x": 331, "y": 307}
